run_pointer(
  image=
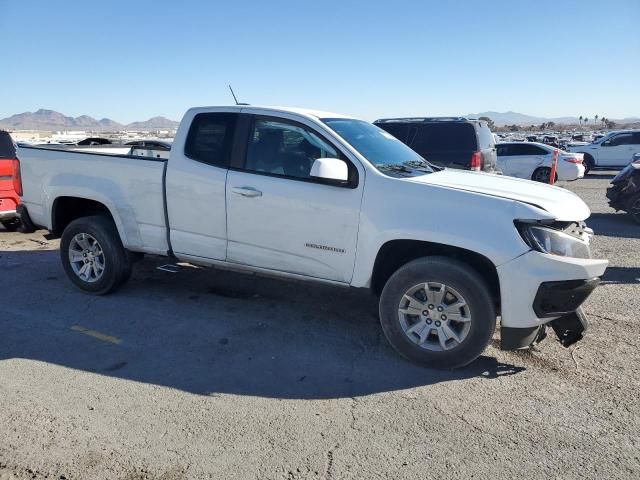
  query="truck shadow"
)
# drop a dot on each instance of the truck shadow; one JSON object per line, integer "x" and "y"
{"x": 210, "y": 332}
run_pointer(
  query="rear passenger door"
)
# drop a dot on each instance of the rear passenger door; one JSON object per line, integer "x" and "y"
{"x": 195, "y": 186}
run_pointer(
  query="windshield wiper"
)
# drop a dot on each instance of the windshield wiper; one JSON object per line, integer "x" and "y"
{"x": 393, "y": 167}
{"x": 423, "y": 165}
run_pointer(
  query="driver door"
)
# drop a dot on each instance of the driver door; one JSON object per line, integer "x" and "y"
{"x": 278, "y": 217}
{"x": 617, "y": 151}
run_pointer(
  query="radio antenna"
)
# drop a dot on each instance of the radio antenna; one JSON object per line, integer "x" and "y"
{"x": 235, "y": 99}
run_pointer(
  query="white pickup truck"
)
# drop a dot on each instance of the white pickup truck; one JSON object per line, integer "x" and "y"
{"x": 322, "y": 197}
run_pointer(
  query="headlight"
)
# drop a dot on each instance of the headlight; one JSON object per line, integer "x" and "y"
{"x": 555, "y": 242}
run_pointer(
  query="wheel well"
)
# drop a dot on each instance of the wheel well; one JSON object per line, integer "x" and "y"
{"x": 67, "y": 209}
{"x": 396, "y": 253}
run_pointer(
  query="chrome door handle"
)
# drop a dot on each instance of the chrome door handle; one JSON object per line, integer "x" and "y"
{"x": 246, "y": 191}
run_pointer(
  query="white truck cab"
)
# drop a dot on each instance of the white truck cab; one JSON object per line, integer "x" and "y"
{"x": 615, "y": 150}
{"x": 322, "y": 197}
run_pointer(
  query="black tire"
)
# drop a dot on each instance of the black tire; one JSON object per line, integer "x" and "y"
{"x": 588, "y": 163}
{"x": 633, "y": 208}
{"x": 456, "y": 275}
{"x": 117, "y": 262}
{"x": 542, "y": 175}
{"x": 11, "y": 225}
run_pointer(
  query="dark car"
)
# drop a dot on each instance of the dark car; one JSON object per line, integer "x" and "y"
{"x": 150, "y": 144}
{"x": 624, "y": 192}
{"x": 454, "y": 142}
{"x": 94, "y": 141}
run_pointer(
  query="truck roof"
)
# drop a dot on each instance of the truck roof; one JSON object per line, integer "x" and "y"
{"x": 300, "y": 111}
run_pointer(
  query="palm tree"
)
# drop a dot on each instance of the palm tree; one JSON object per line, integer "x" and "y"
{"x": 586, "y": 120}
{"x": 596, "y": 118}
{"x": 580, "y": 120}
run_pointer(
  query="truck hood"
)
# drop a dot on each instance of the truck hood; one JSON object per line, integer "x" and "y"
{"x": 559, "y": 202}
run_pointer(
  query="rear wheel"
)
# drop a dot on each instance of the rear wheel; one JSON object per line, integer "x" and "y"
{"x": 542, "y": 174}
{"x": 437, "y": 312}
{"x": 633, "y": 208}
{"x": 93, "y": 256}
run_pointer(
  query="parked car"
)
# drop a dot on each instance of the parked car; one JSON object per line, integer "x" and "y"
{"x": 551, "y": 140}
{"x": 533, "y": 161}
{"x": 453, "y": 142}
{"x": 612, "y": 151}
{"x": 149, "y": 148}
{"x": 321, "y": 197}
{"x": 92, "y": 141}
{"x": 624, "y": 192}
{"x": 150, "y": 145}
{"x": 9, "y": 183}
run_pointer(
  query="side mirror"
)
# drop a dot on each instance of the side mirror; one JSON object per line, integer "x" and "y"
{"x": 332, "y": 170}
{"x": 606, "y": 143}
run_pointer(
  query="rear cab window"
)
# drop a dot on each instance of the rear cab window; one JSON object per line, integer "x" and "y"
{"x": 210, "y": 138}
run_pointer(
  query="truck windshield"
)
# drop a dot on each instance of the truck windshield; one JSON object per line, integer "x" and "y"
{"x": 383, "y": 150}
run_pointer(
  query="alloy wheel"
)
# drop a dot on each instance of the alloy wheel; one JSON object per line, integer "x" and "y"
{"x": 86, "y": 257}
{"x": 434, "y": 316}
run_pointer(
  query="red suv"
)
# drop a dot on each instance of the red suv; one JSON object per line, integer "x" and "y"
{"x": 10, "y": 184}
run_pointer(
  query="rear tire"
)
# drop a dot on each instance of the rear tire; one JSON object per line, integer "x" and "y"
{"x": 447, "y": 326}
{"x": 93, "y": 256}
{"x": 542, "y": 175}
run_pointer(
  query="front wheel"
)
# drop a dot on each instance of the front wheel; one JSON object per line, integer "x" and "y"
{"x": 93, "y": 256}
{"x": 588, "y": 163}
{"x": 437, "y": 312}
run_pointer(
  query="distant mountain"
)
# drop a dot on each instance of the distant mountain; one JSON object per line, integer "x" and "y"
{"x": 153, "y": 124}
{"x": 510, "y": 118}
{"x": 50, "y": 120}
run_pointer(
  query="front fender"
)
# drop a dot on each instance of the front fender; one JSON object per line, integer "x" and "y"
{"x": 480, "y": 223}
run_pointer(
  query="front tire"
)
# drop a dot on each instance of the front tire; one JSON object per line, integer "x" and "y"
{"x": 588, "y": 163}
{"x": 93, "y": 256}
{"x": 437, "y": 312}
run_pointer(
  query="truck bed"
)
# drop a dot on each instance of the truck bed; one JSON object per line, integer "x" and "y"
{"x": 131, "y": 187}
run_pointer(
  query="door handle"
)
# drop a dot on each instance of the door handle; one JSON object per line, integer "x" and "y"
{"x": 246, "y": 191}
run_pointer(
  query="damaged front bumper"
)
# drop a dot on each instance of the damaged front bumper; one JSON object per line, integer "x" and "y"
{"x": 560, "y": 301}
{"x": 569, "y": 329}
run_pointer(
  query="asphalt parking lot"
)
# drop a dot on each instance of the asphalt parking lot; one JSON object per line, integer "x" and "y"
{"x": 210, "y": 374}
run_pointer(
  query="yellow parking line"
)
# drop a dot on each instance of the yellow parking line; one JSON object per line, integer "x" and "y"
{"x": 100, "y": 336}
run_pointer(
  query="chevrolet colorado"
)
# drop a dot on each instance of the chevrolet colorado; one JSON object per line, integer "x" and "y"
{"x": 322, "y": 197}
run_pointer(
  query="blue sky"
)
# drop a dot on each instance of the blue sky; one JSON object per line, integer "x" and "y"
{"x": 130, "y": 60}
